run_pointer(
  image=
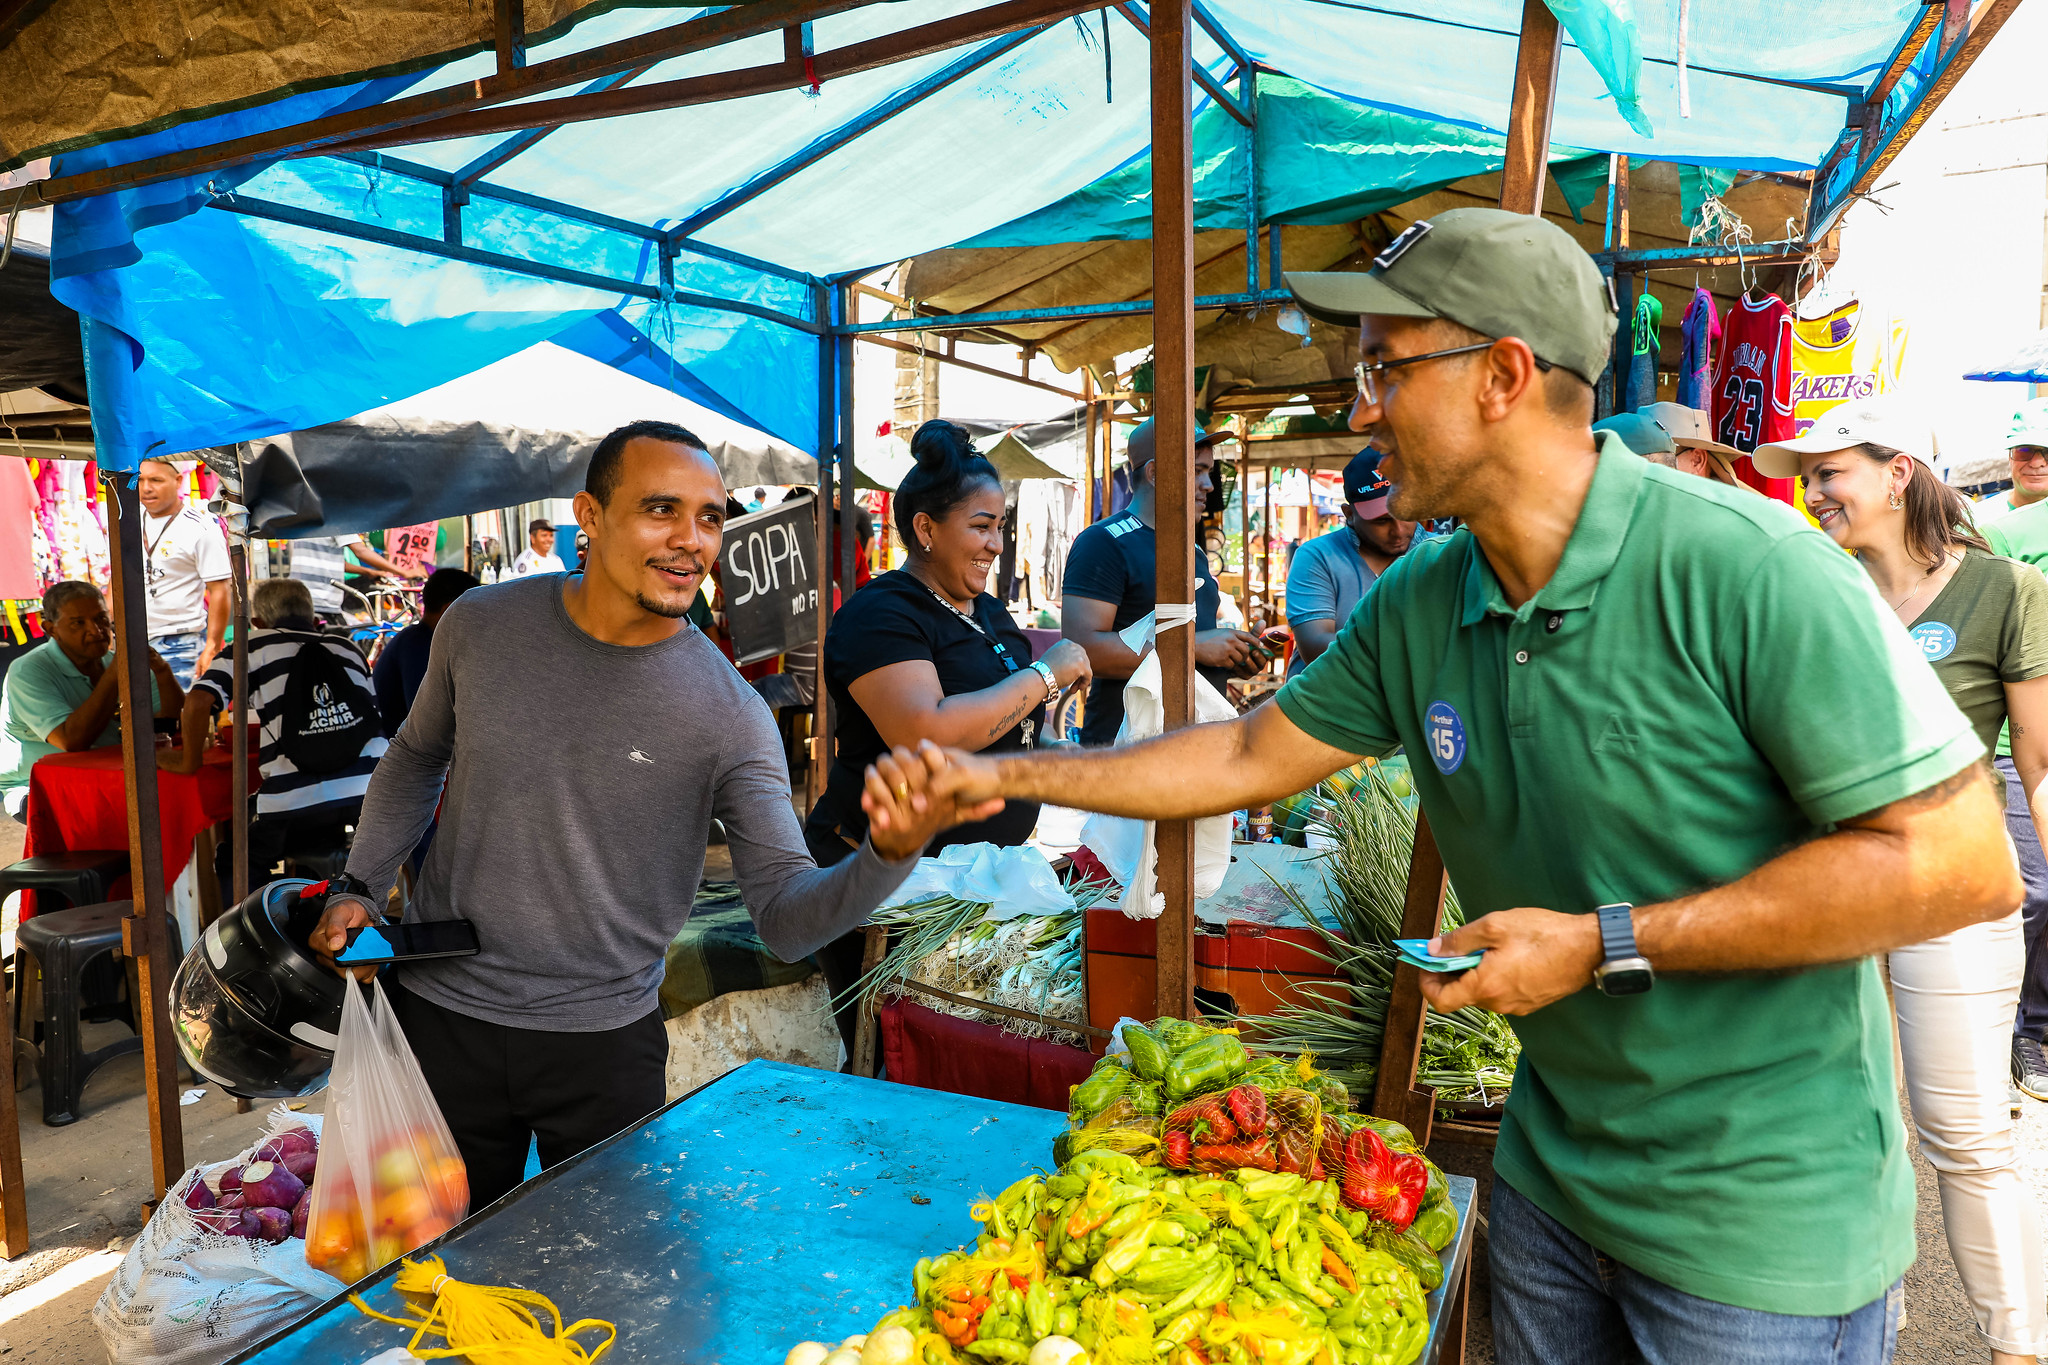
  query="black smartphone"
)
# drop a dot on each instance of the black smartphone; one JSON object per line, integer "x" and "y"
{"x": 378, "y": 943}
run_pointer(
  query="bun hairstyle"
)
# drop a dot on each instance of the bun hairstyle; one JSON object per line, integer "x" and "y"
{"x": 948, "y": 473}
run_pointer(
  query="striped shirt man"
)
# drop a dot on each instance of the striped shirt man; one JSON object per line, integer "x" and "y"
{"x": 285, "y": 789}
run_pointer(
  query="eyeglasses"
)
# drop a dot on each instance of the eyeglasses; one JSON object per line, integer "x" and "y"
{"x": 1370, "y": 376}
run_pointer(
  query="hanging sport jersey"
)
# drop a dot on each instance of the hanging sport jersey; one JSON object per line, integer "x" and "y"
{"x": 1753, "y": 385}
{"x": 1700, "y": 330}
{"x": 1844, "y": 353}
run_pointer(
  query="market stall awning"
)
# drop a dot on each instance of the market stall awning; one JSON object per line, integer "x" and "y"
{"x": 339, "y": 269}
{"x": 2026, "y": 363}
{"x": 517, "y": 431}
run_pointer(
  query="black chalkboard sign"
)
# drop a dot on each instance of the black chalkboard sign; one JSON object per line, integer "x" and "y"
{"x": 768, "y": 571}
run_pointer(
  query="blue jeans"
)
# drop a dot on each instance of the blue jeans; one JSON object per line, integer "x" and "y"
{"x": 181, "y": 652}
{"x": 2032, "y": 1020}
{"x": 1555, "y": 1298}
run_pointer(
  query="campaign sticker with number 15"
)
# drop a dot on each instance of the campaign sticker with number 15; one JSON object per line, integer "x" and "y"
{"x": 1444, "y": 734}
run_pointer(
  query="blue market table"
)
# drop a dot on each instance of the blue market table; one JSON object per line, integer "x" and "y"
{"x": 773, "y": 1206}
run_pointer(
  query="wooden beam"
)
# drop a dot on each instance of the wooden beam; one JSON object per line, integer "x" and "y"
{"x": 1530, "y": 105}
{"x": 1173, "y": 411}
{"x": 908, "y": 349}
{"x": 695, "y": 35}
{"x": 1201, "y": 74}
{"x": 1395, "y": 1094}
{"x": 1962, "y": 41}
{"x": 787, "y": 74}
{"x": 510, "y": 36}
{"x": 1621, "y": 203}
{"x": 826, "y": 301}
{"x": 143, "y": 936}
{"x": 238, "y": 714}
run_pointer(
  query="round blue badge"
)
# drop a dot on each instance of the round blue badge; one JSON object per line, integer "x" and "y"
{"x": 1936, "y": 640}
{"x": 1444, "y": 732}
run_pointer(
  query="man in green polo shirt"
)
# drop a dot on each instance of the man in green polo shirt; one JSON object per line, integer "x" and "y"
{"x": 1620, "y": 687}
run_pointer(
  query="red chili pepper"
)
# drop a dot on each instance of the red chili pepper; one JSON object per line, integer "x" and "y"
{"x": 1383, "y": 1182}
{"x": 1316, "y": 1170}
{"x": 1179, "y": 1148}
{"x": 1293, "y": 1152}
{"x": 1248, "y": 1107}
{"x": 1224, "y": 1156}
{"x": 1019, "y": 1281}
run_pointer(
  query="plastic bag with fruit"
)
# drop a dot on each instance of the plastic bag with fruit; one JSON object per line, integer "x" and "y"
{"x": 390, "y": 1179}
{"x": 220, "y": 1263}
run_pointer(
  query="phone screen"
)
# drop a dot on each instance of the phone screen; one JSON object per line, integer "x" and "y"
{"x": 376, "y": 943}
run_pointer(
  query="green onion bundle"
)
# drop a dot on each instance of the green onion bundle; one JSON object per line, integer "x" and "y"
{"x": 1468, "y": 1054}
{"x": 1031, "y": 963}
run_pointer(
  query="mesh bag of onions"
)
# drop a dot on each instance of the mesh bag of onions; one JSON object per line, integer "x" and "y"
{"x": 221, "y": 1263}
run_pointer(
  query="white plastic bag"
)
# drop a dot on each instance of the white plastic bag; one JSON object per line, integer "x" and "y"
{"x": 184, "y": 1295}
{"x": 1011, "y": 881}
{"x": 390, "y": 1178}
{"x": 1125, "y": 845}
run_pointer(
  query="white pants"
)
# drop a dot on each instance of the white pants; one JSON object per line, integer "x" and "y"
{"x": 1955, "y": 997}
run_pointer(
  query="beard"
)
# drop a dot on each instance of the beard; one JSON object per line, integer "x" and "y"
{"x": 672, "y": 609}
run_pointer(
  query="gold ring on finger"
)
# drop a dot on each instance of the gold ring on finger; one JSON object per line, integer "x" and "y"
{"x": 902, "y": 790}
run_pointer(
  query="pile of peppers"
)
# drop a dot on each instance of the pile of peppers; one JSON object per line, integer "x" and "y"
{"x": 1137, "y": 1264}
{"x": 1190, "y": 1098}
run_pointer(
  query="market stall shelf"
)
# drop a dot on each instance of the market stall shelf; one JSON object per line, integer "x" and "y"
{"x": 773, "y": 1205}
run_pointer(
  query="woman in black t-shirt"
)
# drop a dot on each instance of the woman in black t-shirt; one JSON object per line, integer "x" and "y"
{"x": 922, "y": 652}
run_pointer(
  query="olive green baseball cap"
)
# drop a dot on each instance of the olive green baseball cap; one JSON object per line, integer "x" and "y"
{"x": 1501, "y": 274}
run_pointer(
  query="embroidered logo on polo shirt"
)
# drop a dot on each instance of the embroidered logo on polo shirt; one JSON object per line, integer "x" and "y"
{"x": 1443, "y": 730}
{"x": 1936, "y": 640}
{"x": 1619, "y": 736}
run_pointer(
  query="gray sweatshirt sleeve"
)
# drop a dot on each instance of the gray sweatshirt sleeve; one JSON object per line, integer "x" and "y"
{"x": 798, "y": 907}
{"x": 406, "y": 788}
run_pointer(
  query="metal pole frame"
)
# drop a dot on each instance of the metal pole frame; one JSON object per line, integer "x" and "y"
{"x": 826, "y": 302}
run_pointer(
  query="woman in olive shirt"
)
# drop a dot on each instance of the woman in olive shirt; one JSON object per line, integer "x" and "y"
{"x": 1982, "y": 622}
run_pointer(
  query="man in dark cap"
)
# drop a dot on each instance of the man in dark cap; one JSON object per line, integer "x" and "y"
{"x": 1333, "y": 572}
{"x": 1111, "y": 581}
{"x": 1689, "y": 777}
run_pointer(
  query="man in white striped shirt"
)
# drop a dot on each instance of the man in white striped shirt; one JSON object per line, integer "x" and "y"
{"x": 293, "y": 811}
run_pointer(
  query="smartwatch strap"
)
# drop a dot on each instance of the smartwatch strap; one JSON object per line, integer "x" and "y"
{"x": 1617, "y": 931}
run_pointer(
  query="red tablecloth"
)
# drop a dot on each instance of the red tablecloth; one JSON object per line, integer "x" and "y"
{"x": 81, "y": 801}
{"x": 935, "y": 1051}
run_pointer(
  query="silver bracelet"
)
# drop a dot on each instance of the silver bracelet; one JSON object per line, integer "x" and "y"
{"x": 1052, "y": 684}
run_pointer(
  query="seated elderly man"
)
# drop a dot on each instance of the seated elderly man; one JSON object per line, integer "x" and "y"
{"x": 321, "y": 734}
{"x": 61, "y": 696}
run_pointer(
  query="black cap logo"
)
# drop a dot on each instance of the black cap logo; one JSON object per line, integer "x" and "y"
{"x": 1410, "y": 235}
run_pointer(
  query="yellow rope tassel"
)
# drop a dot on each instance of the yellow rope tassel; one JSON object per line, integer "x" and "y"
{"x": 486, "y": 1322}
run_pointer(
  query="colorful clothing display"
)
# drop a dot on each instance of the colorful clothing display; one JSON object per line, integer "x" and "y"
{"x": 1847, "y": 352}
{"x": 1753, "y": 385}
{"x": 1644, "y": 345}
{"x": 1700, "y": 331}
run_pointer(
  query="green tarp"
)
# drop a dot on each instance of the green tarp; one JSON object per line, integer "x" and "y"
{"x": 1322, "y": 159}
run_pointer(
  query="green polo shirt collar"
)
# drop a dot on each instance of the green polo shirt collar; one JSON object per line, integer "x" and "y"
{"x": 1591, "y": 552}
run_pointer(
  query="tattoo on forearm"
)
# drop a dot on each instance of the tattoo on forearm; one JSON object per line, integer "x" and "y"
{"x": 1012, "y": 716}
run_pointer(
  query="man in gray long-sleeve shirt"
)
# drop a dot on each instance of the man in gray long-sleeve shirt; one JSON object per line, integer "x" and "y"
{"x": 579, "y": 736}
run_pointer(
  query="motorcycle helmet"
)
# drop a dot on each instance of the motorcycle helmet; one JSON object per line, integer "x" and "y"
{"x": 253, "y": 1010}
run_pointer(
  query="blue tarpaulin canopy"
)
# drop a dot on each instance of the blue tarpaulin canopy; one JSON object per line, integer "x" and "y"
{"x": 689, "y": 245}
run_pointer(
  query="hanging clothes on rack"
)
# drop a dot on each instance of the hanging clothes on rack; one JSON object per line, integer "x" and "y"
{"x": 1845, "y": 353}
{"x": 1642, "y": 370}
{"x": 1753, "y": 385}
{"x": 1700, "y": 331}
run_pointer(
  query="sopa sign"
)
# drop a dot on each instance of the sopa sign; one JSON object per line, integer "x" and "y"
{"x": 770, "y": 581}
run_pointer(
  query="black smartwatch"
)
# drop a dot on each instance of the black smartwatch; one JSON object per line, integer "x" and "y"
{"x": 1624, "y": 971}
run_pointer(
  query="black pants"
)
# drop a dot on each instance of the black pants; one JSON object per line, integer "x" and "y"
{"x": 499, "y": 1086}
{"x": 840, "y": 959}
{"x": 280, "y": 835}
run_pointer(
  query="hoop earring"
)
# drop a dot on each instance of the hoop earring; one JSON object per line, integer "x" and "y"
{"x": 1897, "y": 499}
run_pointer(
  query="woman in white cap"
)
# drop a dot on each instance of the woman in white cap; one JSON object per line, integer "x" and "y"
{"x": 1982, "y": 622}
